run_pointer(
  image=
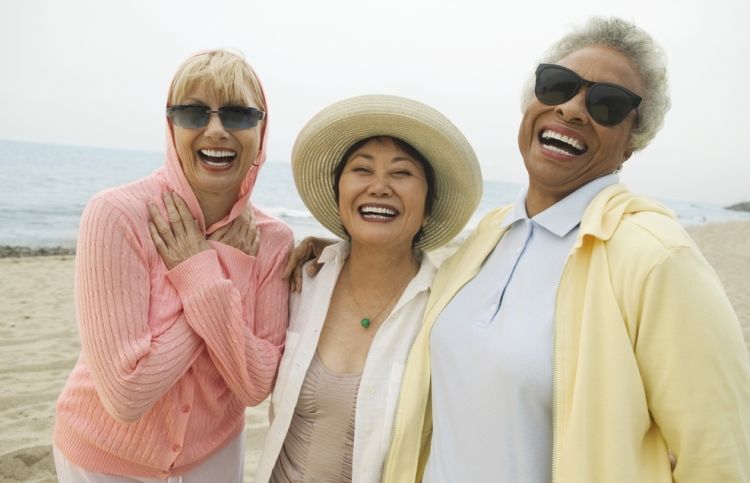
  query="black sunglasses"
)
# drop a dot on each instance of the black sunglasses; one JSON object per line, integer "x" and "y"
{"x": 193, "y": 116}
{"x": 608, "y": 104}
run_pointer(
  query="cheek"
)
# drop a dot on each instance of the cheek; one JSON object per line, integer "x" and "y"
{"x": 418, "y": 198}
{"x": 526, "y": 129}
{"x": 183, "y": 143}
{"x": 614, "y": 141}
{"x": 250, "y": 142}
{"x": 346, "y": 188}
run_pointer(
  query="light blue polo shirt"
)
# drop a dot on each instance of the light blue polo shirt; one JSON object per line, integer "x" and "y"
{"x": 491, "y": 353}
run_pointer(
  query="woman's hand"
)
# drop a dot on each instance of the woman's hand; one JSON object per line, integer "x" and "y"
{"x": 179, "y": 239}
{"x": 241, "y": 234}
{"x": 308, "y": 249}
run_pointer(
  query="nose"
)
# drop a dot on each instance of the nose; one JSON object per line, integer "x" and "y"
{"x": 215, "y": 129}
{"x": 380, "y": 185}
{"x": 574, "y": 109}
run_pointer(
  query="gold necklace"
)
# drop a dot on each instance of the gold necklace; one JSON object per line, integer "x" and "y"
{"x": 365, "y": 321}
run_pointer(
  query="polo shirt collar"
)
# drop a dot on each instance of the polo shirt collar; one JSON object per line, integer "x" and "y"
{"x": 565, "y": 215}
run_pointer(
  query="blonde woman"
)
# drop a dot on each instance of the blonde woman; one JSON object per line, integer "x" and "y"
{"x": 179, "y": 298}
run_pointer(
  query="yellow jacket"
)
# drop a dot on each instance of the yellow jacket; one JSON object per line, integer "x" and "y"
{"x": 648, "y": 355}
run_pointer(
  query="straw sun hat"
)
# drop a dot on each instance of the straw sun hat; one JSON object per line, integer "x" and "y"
{"x": 326, "y": 137}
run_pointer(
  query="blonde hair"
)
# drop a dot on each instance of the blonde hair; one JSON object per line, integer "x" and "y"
{"x": 227, "y": 73}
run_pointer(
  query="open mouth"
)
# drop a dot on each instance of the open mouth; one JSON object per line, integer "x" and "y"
{"x": 217, "y": 158}
{"x": 561, "y": 144}
{"x": 377, "y": 212}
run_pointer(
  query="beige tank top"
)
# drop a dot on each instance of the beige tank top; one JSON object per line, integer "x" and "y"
{"x": 318, "y": 445}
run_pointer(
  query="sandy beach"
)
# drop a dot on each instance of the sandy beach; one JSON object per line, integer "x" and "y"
{"x": 40, "y": 345}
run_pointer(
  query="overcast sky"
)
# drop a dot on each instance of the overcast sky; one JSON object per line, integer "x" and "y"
{"x": 96, "y": 72}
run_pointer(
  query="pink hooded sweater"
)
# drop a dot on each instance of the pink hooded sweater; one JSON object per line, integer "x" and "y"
{"x": 170, "y": 358}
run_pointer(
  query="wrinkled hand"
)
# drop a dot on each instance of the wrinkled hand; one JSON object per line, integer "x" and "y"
{"x": 241, "y": 234}
{"x": 179, "y": 239}
{"x": 308, "y": 249}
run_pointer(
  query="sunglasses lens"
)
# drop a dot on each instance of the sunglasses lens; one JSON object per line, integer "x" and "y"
{"x": 555, "y": 86}
{"x": 236, "y": 117}
{"x": 608, "y": 105}
{"x": 191, "y": 117}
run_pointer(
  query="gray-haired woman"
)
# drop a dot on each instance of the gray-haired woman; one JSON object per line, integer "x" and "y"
{"x": 579, "y": 336}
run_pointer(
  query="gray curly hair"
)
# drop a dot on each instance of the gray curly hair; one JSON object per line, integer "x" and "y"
{"x": 645, "y": 54}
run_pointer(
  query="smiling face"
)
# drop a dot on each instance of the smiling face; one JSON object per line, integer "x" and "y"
{"x": 562, "y": 147}
{"x": 382, "y": 194}
{"x": 215, "y": 161}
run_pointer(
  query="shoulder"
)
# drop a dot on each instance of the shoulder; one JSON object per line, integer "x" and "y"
{"x": 493, "y": 218}
{"x": 651, "y": 246}
{"x": 129, "y": 199}
{"x": 482, "y": 238}
{"x": 272, "y": 228}
{"x": 649, "y": 234}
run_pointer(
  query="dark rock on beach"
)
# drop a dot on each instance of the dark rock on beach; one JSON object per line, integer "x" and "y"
{"x": 744, "y": 206}
{"x": 18, "y": 252}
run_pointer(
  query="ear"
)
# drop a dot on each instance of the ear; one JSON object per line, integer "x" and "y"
{"x": 626, "y": 155}
{"x": 629, "y": 149}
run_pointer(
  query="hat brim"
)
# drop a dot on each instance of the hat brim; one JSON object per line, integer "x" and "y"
{"x": 329, "y": 134}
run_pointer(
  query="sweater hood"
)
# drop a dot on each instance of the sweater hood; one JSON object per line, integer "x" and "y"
{"x": 175, "y": 178}
{"x": 610, "y": 206}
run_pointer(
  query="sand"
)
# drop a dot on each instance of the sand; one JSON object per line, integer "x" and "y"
{"x": 39, "y": 346}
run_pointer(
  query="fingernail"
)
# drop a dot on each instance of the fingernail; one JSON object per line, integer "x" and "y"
{"x": 165, "y": 194}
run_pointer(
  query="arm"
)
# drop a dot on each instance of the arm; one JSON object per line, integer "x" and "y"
{"x": 239, "y": 307}
{"x": 695, "y": 369}
{"x": 244, "y": 345}
{"x": 132, "y": 368}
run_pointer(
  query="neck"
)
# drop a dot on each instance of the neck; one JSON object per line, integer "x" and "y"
{"x": 380, "y": 267}
{"x": 215, "y": 207}
{"x": 536, "y": 203}
{"x": 539, "y": 198}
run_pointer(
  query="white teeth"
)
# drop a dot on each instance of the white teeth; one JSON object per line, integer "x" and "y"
{"x": 377, "y": 210}
{"x": 556, "y": 149}
{"x": 215, "y": 163}
{"x": 215, "y": 153}
{"x": 566, "y": 139}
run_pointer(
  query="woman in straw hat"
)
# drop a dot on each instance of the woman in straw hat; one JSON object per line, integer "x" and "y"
{"x": 391, "y": 177}
{"x": 180, "y": 304}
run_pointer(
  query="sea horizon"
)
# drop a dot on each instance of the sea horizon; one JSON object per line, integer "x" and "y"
{"x": 47, "y": 186}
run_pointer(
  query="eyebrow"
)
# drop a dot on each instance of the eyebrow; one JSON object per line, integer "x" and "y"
{"x": 370, "y": 157}
{"x": 195, "y": 101}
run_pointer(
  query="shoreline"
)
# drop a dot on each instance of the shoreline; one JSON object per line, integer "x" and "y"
{"x": 20, "y": 251}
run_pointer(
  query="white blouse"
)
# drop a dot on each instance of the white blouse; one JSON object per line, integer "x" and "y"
{"x": 381, "y": 378}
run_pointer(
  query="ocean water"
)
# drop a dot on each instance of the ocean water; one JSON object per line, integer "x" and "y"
{"x": 45, "y": 188}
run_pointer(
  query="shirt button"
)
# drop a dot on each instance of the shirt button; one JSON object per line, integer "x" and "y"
{"x": 372, "y": 390}
{"x": 186, "y": 408}
{"x": 176, "y": 448}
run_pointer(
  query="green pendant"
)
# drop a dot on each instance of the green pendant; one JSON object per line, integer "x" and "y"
{"x": 364, "y": 323}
